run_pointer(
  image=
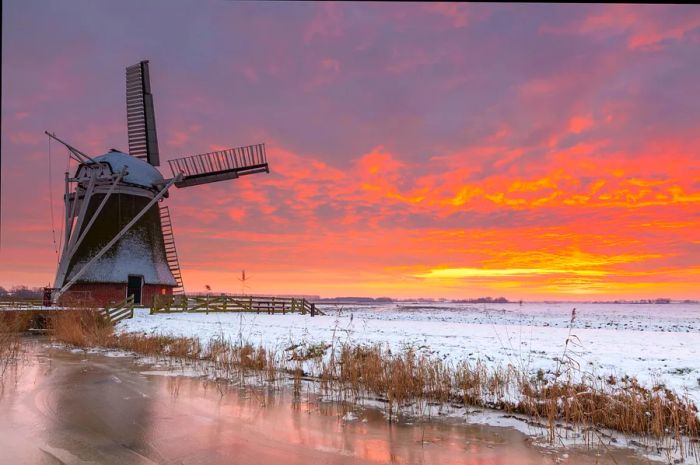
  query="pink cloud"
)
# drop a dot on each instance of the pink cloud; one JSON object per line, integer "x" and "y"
{"x": 457, "y": 12}
{"x": 326, "y": 23}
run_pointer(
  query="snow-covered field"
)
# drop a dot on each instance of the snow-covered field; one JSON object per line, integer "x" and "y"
{"x": 654, "y": 342}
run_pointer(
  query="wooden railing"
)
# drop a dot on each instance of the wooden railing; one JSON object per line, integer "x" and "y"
{"x": 232, "y": 303}
{"x": 20, "y": 304}
{"x": 113, "y": 313}
{"x": 120, "y": 311}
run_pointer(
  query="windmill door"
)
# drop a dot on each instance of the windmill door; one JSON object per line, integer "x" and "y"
{"x": 134, "y": 287}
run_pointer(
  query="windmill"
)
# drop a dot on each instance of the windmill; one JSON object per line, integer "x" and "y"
{"x": 118, "y": 239}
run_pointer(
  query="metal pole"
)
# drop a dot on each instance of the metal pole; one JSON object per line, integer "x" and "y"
{"x": 65, "y": 203}
{"x": 75, "y": 230}
{"x": 78, "y": 155}
{"x": 97, "y": 212}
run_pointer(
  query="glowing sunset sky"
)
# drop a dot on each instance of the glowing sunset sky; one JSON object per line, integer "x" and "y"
{"x": 528, "y": 151}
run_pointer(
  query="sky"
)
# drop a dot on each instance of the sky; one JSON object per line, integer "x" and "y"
{"x": 416, "y": 150}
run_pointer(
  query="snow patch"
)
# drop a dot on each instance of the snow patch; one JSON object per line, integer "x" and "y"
{"x": 134, "y": 257}
{"x": 139, "y": 171}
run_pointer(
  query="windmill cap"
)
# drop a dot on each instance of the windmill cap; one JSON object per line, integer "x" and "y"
{"x": 139, "y": 172}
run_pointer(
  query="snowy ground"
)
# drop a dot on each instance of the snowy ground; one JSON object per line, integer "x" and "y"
{"x": 652, "y": 342}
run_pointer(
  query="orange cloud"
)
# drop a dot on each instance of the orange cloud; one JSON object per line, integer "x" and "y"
{"x": 578, "y": 124}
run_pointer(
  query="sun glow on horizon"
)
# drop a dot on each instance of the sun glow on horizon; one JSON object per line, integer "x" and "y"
{"x": 505, "y": 272}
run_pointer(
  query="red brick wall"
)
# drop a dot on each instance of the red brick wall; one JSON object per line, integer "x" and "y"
{"x": 101, "y": 294}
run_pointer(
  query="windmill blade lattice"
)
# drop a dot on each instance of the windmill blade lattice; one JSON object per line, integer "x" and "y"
{"x": 140, "y": 116}
{"x": 219, "y": 166}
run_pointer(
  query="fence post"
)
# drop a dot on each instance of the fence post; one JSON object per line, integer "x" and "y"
{"x": 313, "y": 309}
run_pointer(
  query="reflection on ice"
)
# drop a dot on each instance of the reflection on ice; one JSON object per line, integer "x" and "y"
{"x": 75, "y": 410}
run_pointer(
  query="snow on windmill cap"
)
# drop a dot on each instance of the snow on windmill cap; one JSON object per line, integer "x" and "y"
{"x": 139, "y": 172}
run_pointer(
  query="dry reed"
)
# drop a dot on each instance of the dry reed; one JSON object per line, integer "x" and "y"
{"x": 10, "y": 344}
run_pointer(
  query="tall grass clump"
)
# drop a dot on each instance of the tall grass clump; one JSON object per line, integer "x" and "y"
{"x": 81, "y": 328}
{"x": 10, "y": 344}
{"x": 88, "y": 328}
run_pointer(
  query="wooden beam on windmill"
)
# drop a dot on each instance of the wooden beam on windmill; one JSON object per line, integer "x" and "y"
{"x": 140, "y": 115}
{"x": 217, "y": 166}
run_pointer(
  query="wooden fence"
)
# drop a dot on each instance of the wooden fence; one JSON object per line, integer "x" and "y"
{"x": 70, "y": 299}
{"x": 120, "y": 311}
{"x": 232, "y": 303}
{"x": 36, "y": 316}
{"x": 20, "y": 304}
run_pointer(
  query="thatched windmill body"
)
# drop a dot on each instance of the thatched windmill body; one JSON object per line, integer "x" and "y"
{"x": 118, "y": 237}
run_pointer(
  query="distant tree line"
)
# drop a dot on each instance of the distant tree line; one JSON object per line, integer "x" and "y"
{"x": 21, "y": 292}
{"x": 364, "y": 300}
{"x": 483, "y": 300}
{"x": 385, "y": 300}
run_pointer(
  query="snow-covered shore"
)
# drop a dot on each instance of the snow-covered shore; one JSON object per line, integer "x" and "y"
{"x": 655, "y": 343}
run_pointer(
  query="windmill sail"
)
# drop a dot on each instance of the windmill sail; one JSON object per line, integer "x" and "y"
{"x": 219, "y": 166}
{"x": 140, "y": 117}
